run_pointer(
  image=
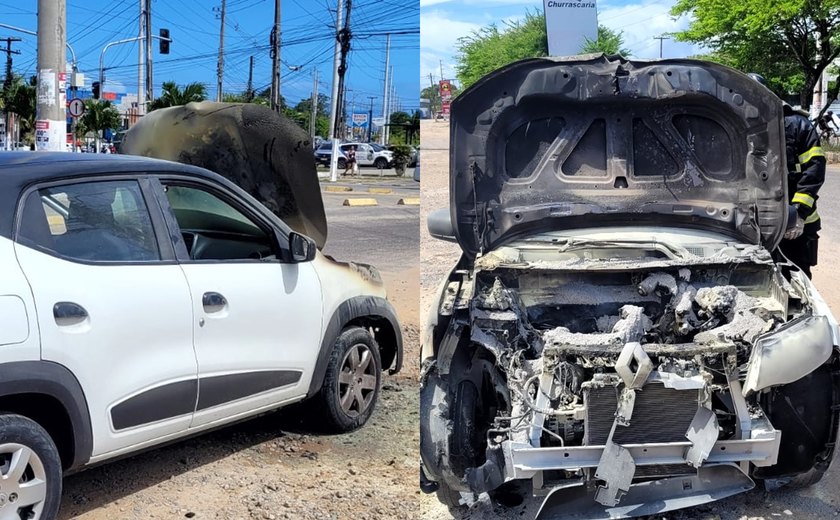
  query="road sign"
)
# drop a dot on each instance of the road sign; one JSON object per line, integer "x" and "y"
{"x": 76, "y": 107}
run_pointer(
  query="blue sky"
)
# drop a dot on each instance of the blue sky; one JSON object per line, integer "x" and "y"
{"x": 307, "y": 29}
{"x": 442, "y": 22}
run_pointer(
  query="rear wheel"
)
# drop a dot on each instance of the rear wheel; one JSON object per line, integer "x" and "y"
{"x": 31, "y": 470}
{"x": 351, "y": 384}
{"x": 342, "y": 163}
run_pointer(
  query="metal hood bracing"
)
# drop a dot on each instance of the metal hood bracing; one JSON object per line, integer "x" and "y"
{"x": 547, "y": 144}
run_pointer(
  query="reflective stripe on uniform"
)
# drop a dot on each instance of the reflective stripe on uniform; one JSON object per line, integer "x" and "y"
{"x": 816, "y": 151}
{"x": 812, "y": 218}
{"x": 803, "y": 198}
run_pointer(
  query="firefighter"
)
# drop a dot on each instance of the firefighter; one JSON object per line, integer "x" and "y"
{"x": 806, "y": 174}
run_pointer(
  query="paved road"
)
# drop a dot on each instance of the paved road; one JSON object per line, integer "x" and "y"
{"x": 386, "y": 235}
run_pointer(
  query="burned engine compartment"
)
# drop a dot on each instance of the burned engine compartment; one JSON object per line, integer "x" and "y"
{"x": 578, "y": 358}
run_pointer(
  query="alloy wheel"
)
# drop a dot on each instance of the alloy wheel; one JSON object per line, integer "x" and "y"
{"x": 23, "y": 483}
{"x": 357, "y": 380}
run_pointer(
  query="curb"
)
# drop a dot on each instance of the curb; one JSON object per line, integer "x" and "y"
{"x": 409, "y": 201}
{"x": 337, "y": 189}
{"x": 360, "y": 202}
{"x": 381, "y": 191}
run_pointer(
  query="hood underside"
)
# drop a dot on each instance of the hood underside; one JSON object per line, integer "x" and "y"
{"x": 547, "y": 144}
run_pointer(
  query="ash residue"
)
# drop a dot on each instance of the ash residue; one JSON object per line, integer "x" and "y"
{"x": 496, "y": 298}
{"x": 632, "y": 326}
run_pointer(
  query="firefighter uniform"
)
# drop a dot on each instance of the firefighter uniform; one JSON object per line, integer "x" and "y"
{"x": 806, "y": 174}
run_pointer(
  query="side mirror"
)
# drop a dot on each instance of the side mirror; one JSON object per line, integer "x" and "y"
{"x": 302, "y": 248}
{"x": 440, "y": 225}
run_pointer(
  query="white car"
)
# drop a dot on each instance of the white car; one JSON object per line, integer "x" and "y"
{"x": 143, "y": 301}
{"x": 621, "y": 334}
{"x": 367, "y": 154}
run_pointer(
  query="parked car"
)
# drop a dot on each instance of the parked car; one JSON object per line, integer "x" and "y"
{"x": 621, "y": 333}
{"x": 367, "y": 154}
{"x": 144, "y": 301}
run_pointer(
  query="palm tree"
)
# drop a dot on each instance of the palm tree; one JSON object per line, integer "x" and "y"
{"x": 99, "y": 116}
{"x": 19, "y": 99}
{"x": 172, "y": 95}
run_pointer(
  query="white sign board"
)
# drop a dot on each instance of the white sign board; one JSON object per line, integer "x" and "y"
{"x": 378, "y": 121}
{"x": 568, "y": 24}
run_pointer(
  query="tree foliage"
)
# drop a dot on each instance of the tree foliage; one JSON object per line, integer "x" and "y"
{"x": 172, "y": 95}
{"x": 607, "y": 42}
{"x": 18, "y": 97}
{"x": 790, "y": 42}
{"x": 100, "y": 115}
{"x": 432, "y": 93}
{"x": 490, "y": 48}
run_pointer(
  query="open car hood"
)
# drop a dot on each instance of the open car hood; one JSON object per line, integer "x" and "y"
{"x": 264, "y": 153}
{"x": 546, "y": 144}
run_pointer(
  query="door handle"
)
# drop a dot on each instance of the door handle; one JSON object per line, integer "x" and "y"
{"x": 213, "y": 301}
{"x": 69, "y": 313}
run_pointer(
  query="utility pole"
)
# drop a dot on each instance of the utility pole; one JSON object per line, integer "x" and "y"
{"x": 141, "y": 61}
{"x": 220, "y": 66}
{"x": 343, "y": 38}
{"x": 51, "y": 111}
{"x": 150, "y": 89}
{"x": 7, "y": 83}
{"x": 313, "y": 114}
{"x": 661, "y": 39}
{"x": 385, "y": 88}
{"x": 249, "y": 90}
{"x": 441, "y": 69}
{"x": 370, "y": 117}
{"x": 275, "y": 59}
{"x": 336, "y": 60}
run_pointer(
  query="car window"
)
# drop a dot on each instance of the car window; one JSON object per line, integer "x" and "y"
{"x": 213, "y": 229}
{"x": 104, "y": 221}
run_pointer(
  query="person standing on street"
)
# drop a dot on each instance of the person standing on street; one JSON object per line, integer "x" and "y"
{"x": 350, "y": 162}
{"x": 806, "y": 174}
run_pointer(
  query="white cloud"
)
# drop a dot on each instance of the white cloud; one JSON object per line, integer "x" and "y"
{"x": 641, "y": 22}
{"x": 439, "y": 34}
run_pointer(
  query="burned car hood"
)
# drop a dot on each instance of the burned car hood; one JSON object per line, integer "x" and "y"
{"x": 264, "y": 153}
{"x": 546, "y": 144}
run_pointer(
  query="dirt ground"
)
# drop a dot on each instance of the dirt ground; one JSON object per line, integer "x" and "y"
{"x": 818, "y": 502}
{"x": 279, "y": 465}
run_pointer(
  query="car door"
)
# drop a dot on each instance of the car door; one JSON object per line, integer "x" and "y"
{"x": 257, "y": 319}
{"x": 113, "y": 306}
{"x": 366, "y": 152}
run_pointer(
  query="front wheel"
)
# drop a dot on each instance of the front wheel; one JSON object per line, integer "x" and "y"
{"x": 351, "y": 384}
{"x": 341, "y": 163}
{"x": 381, "y": 163}
{"x": 31, "y": 470}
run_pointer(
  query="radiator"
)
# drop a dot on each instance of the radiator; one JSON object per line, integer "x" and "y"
{"x": 660, "y": 415}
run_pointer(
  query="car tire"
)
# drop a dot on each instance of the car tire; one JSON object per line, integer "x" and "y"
{"x": 342, "y": 163}
{"x": 28, "y": 449}
{"x": 351, "y": 384}
{"x": 381, "y": 163}
{"x": 451, "y": 499}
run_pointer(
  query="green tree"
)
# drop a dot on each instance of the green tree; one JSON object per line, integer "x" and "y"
{"x": 302, "y": 113}
{"x": 172, "y": 95}
{"x": 100, "y": 115}
{"x": 432, "y": 93}
{"x": 400, "y": 122}
{"x": 490, "y": 48}
{"x": 18, "y": 97}
{"x": 791, "y": 41}
{"x": 608, "y": 42}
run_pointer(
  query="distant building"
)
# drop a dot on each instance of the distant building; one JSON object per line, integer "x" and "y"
{"x": 425, "y": 108}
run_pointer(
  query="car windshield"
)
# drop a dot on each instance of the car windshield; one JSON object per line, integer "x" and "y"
{"x": 377, "y": 147}
{"x": 326, "y": 145}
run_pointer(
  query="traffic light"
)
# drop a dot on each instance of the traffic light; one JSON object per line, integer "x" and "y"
{"x": 164, "y": 41}
{"x": 95, "y": 88}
